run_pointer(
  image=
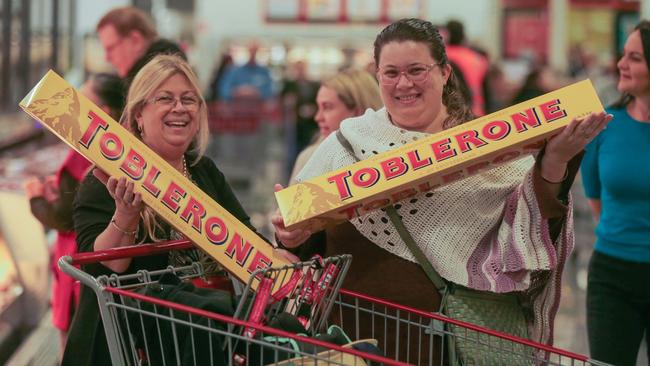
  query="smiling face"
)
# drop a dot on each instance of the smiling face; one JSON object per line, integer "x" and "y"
{"x": 169, "y": 119}
{"x": 415, "y": 106}
{"x": 633, "y": 69}
{"x": 331, "y": 111}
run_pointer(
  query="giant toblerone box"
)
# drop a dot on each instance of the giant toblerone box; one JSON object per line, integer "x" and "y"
{"x": 90, "y": 131}
{"x": 436, "y": 160}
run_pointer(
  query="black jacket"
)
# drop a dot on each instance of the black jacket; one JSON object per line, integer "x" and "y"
{"x": 159, "y": 47}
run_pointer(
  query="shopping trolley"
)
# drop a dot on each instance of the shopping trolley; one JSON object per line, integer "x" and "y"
{"x": 340, "y": 327}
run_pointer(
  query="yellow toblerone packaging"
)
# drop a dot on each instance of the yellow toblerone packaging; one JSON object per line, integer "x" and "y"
{"x": 94, "y": 134}
{"x": 439, "y": 159}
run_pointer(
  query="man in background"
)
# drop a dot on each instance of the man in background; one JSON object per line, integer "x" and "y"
{"x": 130, "y": 40}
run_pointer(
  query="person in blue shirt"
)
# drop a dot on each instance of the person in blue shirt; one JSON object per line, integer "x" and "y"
{"x": 250, "y": 80}
{"x": 615, "y": 173}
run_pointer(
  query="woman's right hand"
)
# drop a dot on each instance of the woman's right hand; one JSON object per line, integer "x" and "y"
{"x": 288, "y": 238}
{"x": 127, "y": 202}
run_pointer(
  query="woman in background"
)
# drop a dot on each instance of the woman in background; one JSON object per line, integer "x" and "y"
{"x": 615, "y": 174}
{"x": 348, "y": 93}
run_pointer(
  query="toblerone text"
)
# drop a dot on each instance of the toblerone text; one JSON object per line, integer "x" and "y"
{"x": 90, "y": 131}
{"x": 438, "y": 159}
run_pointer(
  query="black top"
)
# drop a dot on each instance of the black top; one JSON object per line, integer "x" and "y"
{"x": 93, "y": 210}
{"x": 159, "y": 47}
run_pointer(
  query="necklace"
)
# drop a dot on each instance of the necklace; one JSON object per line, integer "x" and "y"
{"x": 186, "y": 173}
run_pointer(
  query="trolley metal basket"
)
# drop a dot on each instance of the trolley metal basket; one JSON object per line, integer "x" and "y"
{"x": 146, "y": 330}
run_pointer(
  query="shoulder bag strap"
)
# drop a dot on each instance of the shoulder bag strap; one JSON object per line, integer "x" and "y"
{"x": 346, "y": 144}
{"x": 403, "y": 232}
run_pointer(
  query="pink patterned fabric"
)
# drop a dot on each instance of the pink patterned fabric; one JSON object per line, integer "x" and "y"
{"x": 485, "y": 231}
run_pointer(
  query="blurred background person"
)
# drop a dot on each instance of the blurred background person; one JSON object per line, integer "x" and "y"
{"x": 299, "y": 98}
{"x": 500, "y": 90}
{"x": 472, "y": 64}
{"x": 130, "y": 40}
{"x": 51, "y": 202}
{"x": 251, "y": 80}
{"x": 540, "y": 80}
{"x": 225, "y": 62}
{"x": 347, "y": 94}
{"x": 615, "y": 174}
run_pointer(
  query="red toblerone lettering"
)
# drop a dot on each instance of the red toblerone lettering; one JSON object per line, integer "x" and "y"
{"x": 552, "y": 111}
{"x": 172, "y": 196}
{"x": 96, "y": 123}
{"x": 341, "y": 184}
{"x": 416, "y": 163}
{"x": 442, "y": 150}
{"x": 150, "y": 180}
{"x": 259, "y": 261}
{"x": 111, "y": 146}
{"x": 196, "y": 212}
{"x": 214, "y": 235}
{"x": 496, "y": 130}
{"x": 240, "y": 249}
{"x": 394, "y": 167}
{"x": 467, "y": 138}
{"x": 133, "y": 165}
{"x": 527, "y": 118}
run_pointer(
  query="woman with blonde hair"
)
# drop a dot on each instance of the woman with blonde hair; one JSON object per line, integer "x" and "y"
{"x": 166, "y": 111}
{"x": 347, "y": 94}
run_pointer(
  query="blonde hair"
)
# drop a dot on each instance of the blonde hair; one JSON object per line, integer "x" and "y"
{"x": 144, "y": 85}
{"x": 357, "y": 89}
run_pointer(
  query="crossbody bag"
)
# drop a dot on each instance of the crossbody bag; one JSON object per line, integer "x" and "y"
{"x": 499, "y": 312}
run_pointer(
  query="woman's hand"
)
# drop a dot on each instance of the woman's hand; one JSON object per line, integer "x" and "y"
{"x": 34, "y": 187}
{"x": 127, "y": 202}
{"x": 288, "y": 238}
{"x": 561, "y": 148}
{"x": 51, "y": 189}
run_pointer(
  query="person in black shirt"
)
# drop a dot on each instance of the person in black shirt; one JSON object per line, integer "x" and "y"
{"x": 166, "y": 111}
{"x": 130, "y": 41}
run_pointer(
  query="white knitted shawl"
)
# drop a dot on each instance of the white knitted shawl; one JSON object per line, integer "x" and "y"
{"x": 485, "y": 231}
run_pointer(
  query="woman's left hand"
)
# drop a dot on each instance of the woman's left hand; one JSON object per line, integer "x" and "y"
{"x": 561, "y": 148}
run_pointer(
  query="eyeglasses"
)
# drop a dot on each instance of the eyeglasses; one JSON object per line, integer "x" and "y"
{"x": 415, "y": 73}
{"x": 190, "y": 101}
{"x": 110, "y": 48}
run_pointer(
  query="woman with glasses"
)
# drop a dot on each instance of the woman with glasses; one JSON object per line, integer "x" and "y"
{"x": 165, "y": 110}
{"x": 503, "y": 230}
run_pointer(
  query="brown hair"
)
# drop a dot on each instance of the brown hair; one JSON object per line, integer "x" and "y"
{"x": 422, "y": 31}
{"x": 644, "y": 31}
{"x": 128, "y": 19}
